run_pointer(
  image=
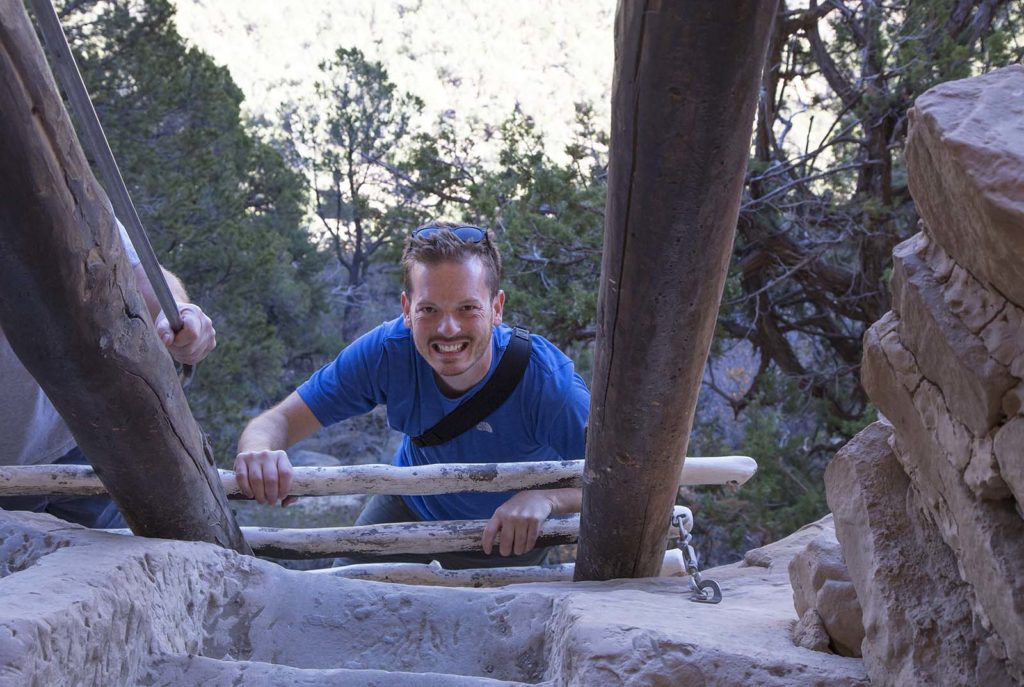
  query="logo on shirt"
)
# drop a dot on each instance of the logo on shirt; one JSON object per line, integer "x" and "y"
{"x": 485, "y": 427}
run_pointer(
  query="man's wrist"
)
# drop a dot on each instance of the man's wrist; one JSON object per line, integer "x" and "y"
{"x": 564, "y": 500}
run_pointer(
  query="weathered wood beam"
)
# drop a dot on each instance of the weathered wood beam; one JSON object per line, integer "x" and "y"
{"x": 683, "y": 97}
{"x": 433, "y": 575}
{"x": 443, "y": 536}
{"x": 34, "y": 480}
{"x": 72, "y": 314}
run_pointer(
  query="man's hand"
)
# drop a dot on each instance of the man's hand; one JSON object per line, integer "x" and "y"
{"x": 262, "y": 467}
{"x": 265, "y": 476}
{"x": 196, "y": 338}
{"x": 516, "y": 523}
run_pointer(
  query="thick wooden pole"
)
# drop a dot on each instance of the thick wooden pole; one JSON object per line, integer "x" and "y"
{"x": 683, "y": 98}
{"x": 72, "y": 314}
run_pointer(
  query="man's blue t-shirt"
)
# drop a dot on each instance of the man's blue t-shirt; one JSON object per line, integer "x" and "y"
{"x": 543, "y": 419}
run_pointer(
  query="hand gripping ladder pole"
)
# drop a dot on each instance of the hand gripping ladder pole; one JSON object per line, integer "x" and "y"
{"x": 95, "y": 142}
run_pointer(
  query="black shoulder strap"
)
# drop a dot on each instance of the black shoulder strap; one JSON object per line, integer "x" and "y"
{"x": 485, "y": 401}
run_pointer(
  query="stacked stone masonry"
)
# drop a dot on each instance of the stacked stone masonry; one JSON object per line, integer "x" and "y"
{"x": 935, "y": 548}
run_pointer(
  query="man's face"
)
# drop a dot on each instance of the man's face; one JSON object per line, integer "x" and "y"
{"x": 451, "y": 314}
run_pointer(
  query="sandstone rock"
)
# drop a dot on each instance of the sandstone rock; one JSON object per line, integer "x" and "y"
{"x": 945, "y": 349}
{"x": 821, "y": 585}
{"x": 918, "y": 623}
{"x": 1013, "y": 401}
{"x": 902, "y": 361}
{"x": 951, "y": 437}
{"x": 756, "y": 616}
{"x": 983, "y": 475}
{"x": 24, "y": 544}
{"x": 987, "y": 537}
{"x": 97, "y": 608}
{"x": 1017, "y": 367}
{"x": 1008, "y": 448}
{"x": 965, "y": 160}
{"x": 777, "y": 555}
{"x": 1003, "y": 333}
{"x": 970, "y": 301}
{"x": 200, "y": 670}
{"x": 931, "y": 252}
{"x": 1004, "y": 336}
{"x": 810, "y": 633}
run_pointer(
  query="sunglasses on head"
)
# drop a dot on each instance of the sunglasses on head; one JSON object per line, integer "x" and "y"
{"x": 466, "y": 233}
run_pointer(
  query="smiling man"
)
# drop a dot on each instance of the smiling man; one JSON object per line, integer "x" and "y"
{"x": 439, "y": 353}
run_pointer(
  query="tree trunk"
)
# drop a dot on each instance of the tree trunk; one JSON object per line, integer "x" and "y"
{"x": 72, "y": 314}
{"x": 684, "y": 92}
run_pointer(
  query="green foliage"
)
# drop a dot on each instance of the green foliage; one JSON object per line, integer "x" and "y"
{"x": 221, "y": 207}
{"x": 547, "y": 217}
{"x": 347, "y": 142}
{"x": 550, "y": 221}
{"x": 813, "y": 248}
{"x": 787, "y": 491}
{"x": 817, "y": 225}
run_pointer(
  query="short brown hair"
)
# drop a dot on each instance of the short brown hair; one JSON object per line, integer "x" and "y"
{"x": 445, "y": 246}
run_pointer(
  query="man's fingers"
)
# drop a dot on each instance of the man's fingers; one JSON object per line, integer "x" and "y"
{"x": 508, "y": 539}
{"x": 185, "y": 337}
{"x": 531, "y": 536}
{"x": 521, "y": 545}
{"x": 188, "y": 335}
{"x": 270, "y": 484}
{"x": 265, "y": 476}
{"x": 194, "y": 341}
{"x": 197, "y": 322}
{"x": 284, "y": 477}
{"x": 256, "y": 480}
{"x": 242, "y": 477}
{"x": 190, "y": 317}
{"x": 490, "y": 530}
{"x": 163, "y": 330}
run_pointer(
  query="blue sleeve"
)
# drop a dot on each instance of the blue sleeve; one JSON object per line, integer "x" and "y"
{"x": 352, "y": 384}
{"x": 563, "y": 418}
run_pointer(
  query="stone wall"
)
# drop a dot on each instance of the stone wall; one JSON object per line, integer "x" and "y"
{"x": 928, "y": 504}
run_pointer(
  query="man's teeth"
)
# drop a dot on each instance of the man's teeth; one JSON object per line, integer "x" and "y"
{"x": 449, "y": 348}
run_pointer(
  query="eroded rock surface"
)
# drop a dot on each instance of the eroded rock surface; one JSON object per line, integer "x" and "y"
{"x": 929, "y": 509}
{"x": 965, "y": 152}
{"x": 949, "y": 459}
{"x": 918, "y": 623}
{"x": 637, "y": 633}
{"x": 823, "y": 594}
{"x": 105, "y": 609}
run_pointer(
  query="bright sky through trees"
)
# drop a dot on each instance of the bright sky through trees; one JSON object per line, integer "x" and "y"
{"x": 477, "y": 58}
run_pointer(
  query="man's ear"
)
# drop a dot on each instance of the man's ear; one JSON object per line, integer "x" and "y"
{"x": 499, "y": 307}
{"x": 407, "y": 310}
